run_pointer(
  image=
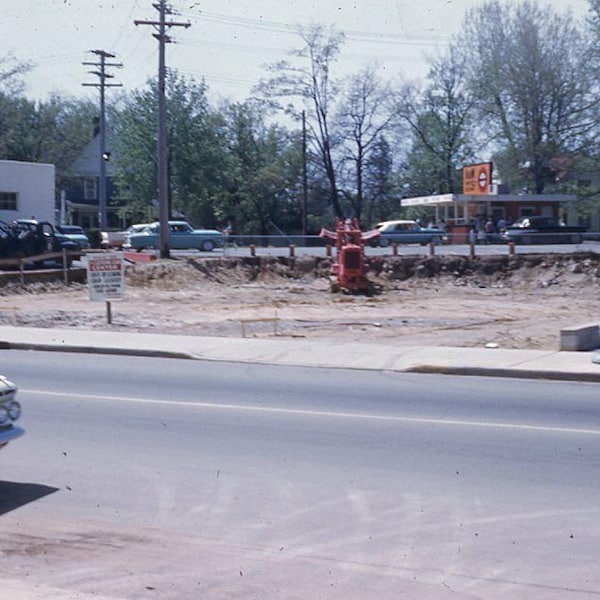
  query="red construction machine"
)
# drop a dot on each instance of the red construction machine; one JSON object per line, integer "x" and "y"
{"x": 350, "y": 267}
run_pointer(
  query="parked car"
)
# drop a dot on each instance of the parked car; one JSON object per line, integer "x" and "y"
{"x": 10, "y": 411}
{"x": 76, "y": 234}
{"x": 408, "y": 232}
{"x": 116, "y": 239}
{"x": 182, "y": 236}
{"x": 28, "y": 237}
{"x": 543, "y": 230}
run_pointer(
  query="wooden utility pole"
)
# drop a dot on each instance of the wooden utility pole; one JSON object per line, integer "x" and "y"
{"x": 104, "y": 154}
{"x": 304, "y": 178}
{"x": 161, "y": 26}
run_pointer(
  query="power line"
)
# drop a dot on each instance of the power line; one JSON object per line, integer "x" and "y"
{"x": 279, "y": 27}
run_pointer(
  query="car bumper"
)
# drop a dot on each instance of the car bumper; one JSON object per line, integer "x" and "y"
{"x": 10, "y": 434}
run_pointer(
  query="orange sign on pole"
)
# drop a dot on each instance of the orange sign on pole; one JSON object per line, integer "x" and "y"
{"x": 477, "y": 179}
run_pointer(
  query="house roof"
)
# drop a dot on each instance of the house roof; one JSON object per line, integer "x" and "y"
{"x": 88, "y": 162}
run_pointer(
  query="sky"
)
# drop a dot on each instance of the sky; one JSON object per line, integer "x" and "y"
{"x": 228, "y": 41}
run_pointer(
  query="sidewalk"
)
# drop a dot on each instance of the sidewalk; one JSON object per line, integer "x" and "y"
{"x": 494, "y": 362}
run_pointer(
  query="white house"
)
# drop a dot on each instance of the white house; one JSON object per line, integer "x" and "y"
{"x": 27, "y": 191}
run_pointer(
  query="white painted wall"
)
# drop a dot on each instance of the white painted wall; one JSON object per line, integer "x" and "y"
{"x": 34, "y": 186}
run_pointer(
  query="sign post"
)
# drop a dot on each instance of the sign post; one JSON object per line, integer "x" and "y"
{"x": 106, "y": 279}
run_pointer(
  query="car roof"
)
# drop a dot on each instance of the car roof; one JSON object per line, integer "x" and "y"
{"x": 397, "y": 222}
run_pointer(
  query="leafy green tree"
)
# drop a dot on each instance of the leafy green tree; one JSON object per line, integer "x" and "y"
{"x": 195, "y": 151}
{"x": 53, "y": 131}
{"x": 133, "y": 123}
{"x": 266, "y": 161}
{"x": 63, "y": 127}
{"x": 531, "y": 69}
{"x": 17, "y": 128}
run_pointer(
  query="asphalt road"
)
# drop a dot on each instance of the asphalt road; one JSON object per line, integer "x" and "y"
{"x": 214, "y": 480}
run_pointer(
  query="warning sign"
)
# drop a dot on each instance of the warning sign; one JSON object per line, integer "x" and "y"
{"x": 477, "y": 179}
{"x": 106, "y": 277}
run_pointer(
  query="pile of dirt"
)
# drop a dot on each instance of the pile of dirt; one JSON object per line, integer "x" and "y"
{"x": 497, "y": 271}
{"x": 518, "y": 301}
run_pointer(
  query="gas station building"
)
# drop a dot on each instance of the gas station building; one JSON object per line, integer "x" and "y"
{"x": 480, "y": 200}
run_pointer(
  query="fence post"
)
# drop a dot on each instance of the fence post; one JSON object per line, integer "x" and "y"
{"x": 511, "y": 248}
{"x": 65, "y": 267}
{"x": 472, "y": 250}
{"x": 395, "y": 249}
{"x": 431, "y": 249}
{"x": 328, "y": 250}
{"x": 292, "y": 250}
{"x": 252, "y": 250}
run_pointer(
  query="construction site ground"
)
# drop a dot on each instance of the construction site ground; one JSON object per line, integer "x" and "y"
{"x": 510, "y": 302}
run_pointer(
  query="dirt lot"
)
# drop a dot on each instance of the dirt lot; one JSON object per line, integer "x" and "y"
{"x": 514, "y": 302}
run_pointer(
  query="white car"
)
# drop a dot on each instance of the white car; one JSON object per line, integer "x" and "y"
{"x": 116, "y": 239}
{"x": 10, "y": 411}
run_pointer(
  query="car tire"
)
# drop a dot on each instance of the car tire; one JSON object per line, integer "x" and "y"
{"x": 207, "y": 246}
{"x": 384, "y": 242}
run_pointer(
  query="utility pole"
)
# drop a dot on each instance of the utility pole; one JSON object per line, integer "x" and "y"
{"x": 304, "y": 178}
{"x": 161, "y": 27}
{"x": 104, "y": 153}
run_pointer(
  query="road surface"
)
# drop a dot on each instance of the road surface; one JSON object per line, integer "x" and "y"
{"x": 158, "y": 478}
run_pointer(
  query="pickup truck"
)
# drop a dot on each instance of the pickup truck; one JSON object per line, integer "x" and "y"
{"x": 542, "y": 230}
{"x": 27, "y": 237}
{"x": 10, "y": 411}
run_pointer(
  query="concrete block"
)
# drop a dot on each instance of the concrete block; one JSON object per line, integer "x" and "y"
{"x": 580, "y": 337}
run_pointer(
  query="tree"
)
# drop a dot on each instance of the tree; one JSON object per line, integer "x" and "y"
{"x": 53, "y": 131}
{"x": 11, "y": 71}
{"x": 380, "y": 183}
{"x": 195, "y": 157}
{"x": 134, "y": 122}
{"x": 363, "y": 117}
{"x": 442, "y": 125}
{"x": 309, "y": 78}
{"x": 62, "y": 129}
{"x": 266, "y": 167}
{"x": 531, "y": 68}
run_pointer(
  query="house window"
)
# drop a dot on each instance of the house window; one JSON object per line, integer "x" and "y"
{"x": 8, "y": 201}
{"x": 89, "y": 188}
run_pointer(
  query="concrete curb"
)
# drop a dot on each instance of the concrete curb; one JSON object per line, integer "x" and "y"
{"x": 505, "y": 373}
{"x": 4, "y": 345}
